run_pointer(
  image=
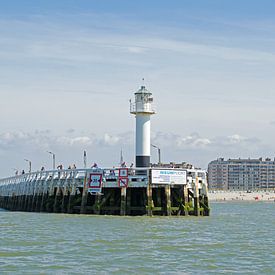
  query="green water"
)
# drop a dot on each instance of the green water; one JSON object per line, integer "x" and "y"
{"x": 236, "y": 238}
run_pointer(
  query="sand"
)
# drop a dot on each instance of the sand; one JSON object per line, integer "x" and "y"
{"x": 242, "y": 196}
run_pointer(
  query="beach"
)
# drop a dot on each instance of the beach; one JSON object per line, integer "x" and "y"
{"x": 242, "y": 195}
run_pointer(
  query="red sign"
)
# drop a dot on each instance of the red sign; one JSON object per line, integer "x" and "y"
{"x": 123, "y": 177}
{"x": 95, "y": 180}
{"x": 123, "y": 182}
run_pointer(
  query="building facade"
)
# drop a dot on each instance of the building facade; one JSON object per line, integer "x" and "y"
{"x": 241, "y": 174}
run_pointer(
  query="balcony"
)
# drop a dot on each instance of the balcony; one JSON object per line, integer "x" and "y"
{"x": 139, "y": 107}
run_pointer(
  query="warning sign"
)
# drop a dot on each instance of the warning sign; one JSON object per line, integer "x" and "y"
{"x": 123, "y": 177}
{"x": 95, "y": 183}
{"x": 123, "y": 173}
{"x": 123, "y": 182}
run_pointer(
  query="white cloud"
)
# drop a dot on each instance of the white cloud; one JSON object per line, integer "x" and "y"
{"x": 197, "y": 142}
{"x": 235, "y": 140}
{"x": 110, "y": 140}
{"x": 105, "y": 149}
{"x": 42, "y": 139}
{"x": 10, "y": 138}
{"x": 75, "y": 141}
{"x": 68, "y": 147}
{"x": 194, "y": 141}
{"x": 137, "y": 50}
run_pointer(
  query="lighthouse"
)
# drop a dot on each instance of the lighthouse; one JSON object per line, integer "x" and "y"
{"x": 142, "y": 108}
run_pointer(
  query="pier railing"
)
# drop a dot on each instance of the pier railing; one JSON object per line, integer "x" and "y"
{"x": 41, "y": 181}
{"x": 21, "y": 184}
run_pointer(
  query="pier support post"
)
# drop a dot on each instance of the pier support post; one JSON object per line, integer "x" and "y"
{"x": 149, "y": 200}
{"x": 159, "y": 200}
{"x": 11, "y": 202}
{"x": 29, "y": 207}
{"x": 123, "y": 201}
{"x": 97, "y": 204}
{"x": 71, "y": 199}
{"x": 8, "y": 202}
{"x": 196, "y": 198}
{"x": 18, "y": 204}
{"x": 15, "y": 200}
{"x": 56, "y": 206}
{"x": 26, "y": 196}
{"x": 168, "y": 200}
{"x": 64, "y": 204}
{"x": 44, "y": 194}
{"x": 34, "y": 196}
{"x": 25, "y": 202}
{"x": 206, "y": 210}
{"x": 15, "y": 204}
{"x": 205, "y": 200}
{"x": 180, "y": 201}
{"x": 185, "y": 199}
{"x": 128, "y": 201}
{"x": 37, "y": 202}
{"x": 22, "y": 201}
{"x": 196, "y": 206}
{"x": 84, "y": 197}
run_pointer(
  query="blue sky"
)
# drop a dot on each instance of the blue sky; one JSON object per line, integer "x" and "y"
{"x": 68, "y": 69}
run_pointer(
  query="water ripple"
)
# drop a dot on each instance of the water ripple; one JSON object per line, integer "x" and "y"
{"x": 236, "y": 238}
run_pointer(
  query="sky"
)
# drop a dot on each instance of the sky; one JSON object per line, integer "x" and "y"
{"x": 68, "y": 69}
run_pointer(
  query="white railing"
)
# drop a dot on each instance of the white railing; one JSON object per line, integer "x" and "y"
{"x": 47, "y": 180}
{"x": 142, "y": 108}
{"x": 70, "y": 177}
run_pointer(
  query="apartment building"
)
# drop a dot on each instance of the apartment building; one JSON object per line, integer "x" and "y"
{"x": 241, "y": 174}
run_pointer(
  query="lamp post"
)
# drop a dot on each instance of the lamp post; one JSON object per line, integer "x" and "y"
{"x": 53, "y": 158}
{"x": 30, "y": 165}
{"x": 158, "y": 152}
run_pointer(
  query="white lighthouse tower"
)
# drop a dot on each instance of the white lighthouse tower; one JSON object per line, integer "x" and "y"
{"x": 142, "y": 108}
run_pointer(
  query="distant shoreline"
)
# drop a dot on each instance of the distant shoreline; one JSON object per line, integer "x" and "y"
{"x": 255, "y": 196}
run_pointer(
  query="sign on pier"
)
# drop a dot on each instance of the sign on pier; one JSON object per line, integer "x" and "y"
{"x": 95, "y": 182}
{"x": 161, "y": 176}
{"x": 123, "y": 177}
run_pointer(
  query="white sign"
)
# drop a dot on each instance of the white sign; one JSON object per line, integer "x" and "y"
{"x": 94, "y": 183}
{"x": 160, "y": 176}
{"x": 123, "y": 172}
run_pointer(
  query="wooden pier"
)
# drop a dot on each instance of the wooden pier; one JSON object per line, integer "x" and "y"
{"x": 115, "y": 191}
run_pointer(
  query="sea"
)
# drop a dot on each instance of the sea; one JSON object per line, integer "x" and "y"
{"x": 238, "y": 238}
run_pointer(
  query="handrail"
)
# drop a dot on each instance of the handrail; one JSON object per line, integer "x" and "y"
{"x": 63, "y": 174}
{"x": 29, "y": 182}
